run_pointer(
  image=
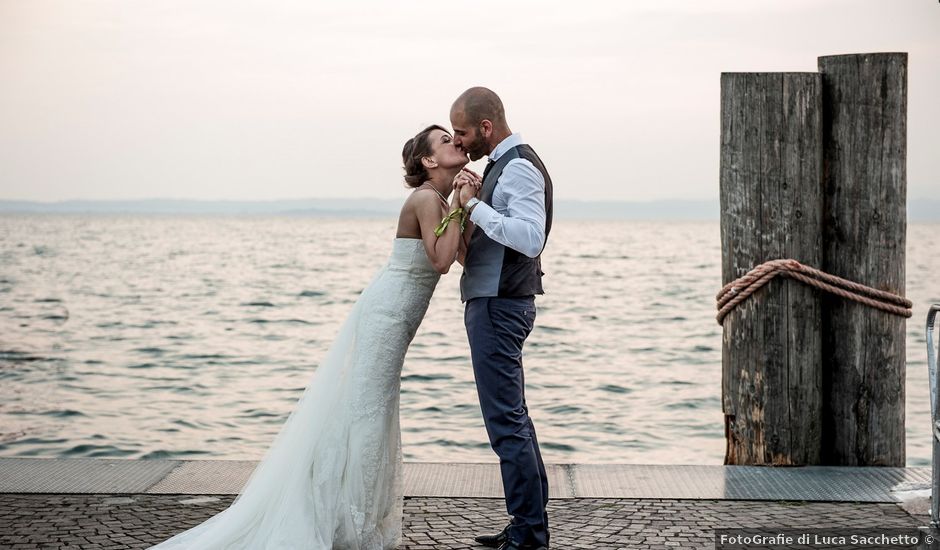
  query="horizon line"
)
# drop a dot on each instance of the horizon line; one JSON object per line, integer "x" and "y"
{"x": 304, "y": 199}
{"x": 917, "y": 210}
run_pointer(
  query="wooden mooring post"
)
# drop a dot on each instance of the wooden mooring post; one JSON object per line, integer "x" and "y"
{"x": 865, "y": 222}
{"x": 813, "y": 168}
{"x": 771, "y": 207}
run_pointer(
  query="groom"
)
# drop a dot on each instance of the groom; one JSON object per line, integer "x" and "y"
{"x": 502, "y": 274}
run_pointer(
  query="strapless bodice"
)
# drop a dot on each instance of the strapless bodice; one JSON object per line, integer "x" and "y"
{"x": 409, "y": 254}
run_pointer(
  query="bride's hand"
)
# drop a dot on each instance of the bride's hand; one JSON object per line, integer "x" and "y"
{"x": 472, "y": 177}
{"x": 462, "y": 179}
{"x": 467, "y": 191}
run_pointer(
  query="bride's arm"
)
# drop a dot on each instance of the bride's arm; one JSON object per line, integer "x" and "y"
{"x": 465, "y": 240}
{"x": 461, "y": 251}
{"x": 471, "y": 178}
{"x": 442, "y": 251}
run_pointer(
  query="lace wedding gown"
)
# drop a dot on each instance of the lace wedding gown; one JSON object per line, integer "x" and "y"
{"x": 332, "y": 477}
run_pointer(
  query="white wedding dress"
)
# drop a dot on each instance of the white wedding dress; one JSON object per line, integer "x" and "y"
{"x": 332, "y": 478}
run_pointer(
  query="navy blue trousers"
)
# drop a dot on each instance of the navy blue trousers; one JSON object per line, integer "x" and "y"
{"x": 497, "y": 329}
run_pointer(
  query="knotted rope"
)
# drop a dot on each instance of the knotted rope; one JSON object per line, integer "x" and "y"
{"x": 738, "y": 290}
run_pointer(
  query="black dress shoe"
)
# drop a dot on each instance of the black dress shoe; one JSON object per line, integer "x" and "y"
{"x": 494, "y": 541}
{"x": 509, "y": 545}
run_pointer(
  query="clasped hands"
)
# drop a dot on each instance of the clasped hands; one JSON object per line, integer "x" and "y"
{"x": 467, "y": 184}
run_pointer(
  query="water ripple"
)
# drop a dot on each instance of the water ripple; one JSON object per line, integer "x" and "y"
{"x": 175, "y": 337}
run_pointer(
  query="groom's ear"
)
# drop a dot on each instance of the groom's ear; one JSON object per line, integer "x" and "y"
{"x": 486, "y": 128}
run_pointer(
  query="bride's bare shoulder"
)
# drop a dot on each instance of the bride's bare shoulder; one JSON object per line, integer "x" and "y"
{"x": 408, "y": 224}
{"x": 420, "y": 199}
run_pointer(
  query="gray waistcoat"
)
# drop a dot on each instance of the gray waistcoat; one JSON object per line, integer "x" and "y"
{"x": 491, "y": 269}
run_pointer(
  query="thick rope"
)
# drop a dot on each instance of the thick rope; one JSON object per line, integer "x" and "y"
{"x": 737, "y": 291}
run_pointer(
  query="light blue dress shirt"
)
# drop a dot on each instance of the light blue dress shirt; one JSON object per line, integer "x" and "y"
{"x": 516, "y": 217}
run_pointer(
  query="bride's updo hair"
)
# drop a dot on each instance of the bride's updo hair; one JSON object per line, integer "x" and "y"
{"x": 415, "y": 149}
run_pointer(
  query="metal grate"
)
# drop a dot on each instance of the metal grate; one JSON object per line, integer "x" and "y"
{"x": 81, "y": 475}
{"x": 224, "y": 477}
{"x": 472, "y": 480}
{"x": 812, "y": 483}
{"x": 206, "y": 477}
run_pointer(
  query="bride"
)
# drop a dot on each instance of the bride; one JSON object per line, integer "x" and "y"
{"x": 332, "y": 478}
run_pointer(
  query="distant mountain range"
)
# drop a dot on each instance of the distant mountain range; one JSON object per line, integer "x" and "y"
{"x": 919, "y": 210}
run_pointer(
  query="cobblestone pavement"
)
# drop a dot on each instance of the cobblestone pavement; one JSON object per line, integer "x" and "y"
{"x": 31, "y": 521}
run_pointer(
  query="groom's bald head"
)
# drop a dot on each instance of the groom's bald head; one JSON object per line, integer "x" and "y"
{"x": 479, "y": 104}
{"x": 479, "y": 122}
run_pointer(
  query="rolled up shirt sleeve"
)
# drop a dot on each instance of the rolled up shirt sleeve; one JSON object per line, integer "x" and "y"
{"x": 517, "y": 217}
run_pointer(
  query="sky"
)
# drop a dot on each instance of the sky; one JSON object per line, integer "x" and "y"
{"x": 261, "y": 100}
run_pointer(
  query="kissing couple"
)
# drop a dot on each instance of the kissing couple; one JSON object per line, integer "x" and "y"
{"x": 332, "y": 477}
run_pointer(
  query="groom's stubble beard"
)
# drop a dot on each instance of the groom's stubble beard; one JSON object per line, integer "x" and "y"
{"x": 479, "y": 148}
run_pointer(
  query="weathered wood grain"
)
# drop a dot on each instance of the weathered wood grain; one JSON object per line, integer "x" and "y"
{"x": 865, "y": 182}
{"x": 771, "y": 208}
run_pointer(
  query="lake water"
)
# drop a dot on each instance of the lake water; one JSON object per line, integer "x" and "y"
{"x": 192, "y": 337}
